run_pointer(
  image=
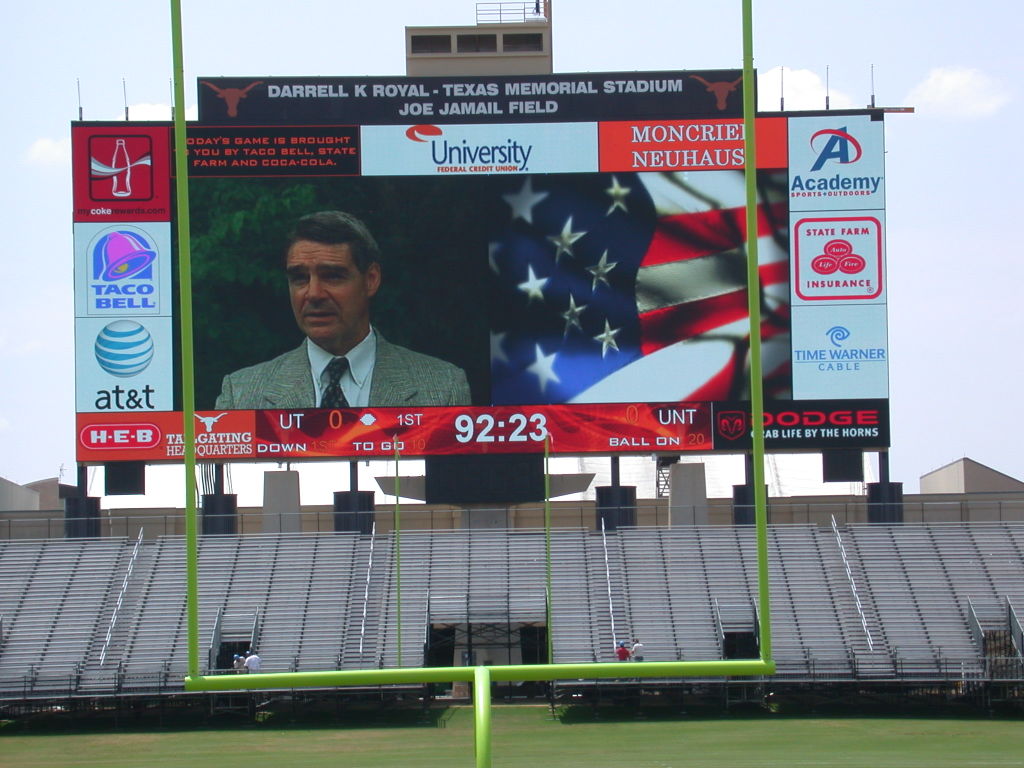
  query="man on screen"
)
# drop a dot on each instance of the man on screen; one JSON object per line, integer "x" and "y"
{"x": 332, "y": 263}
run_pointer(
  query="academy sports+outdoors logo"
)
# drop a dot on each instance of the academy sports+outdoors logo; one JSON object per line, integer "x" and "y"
{"x": 832, "y": 156}
{"x": 837, "y": 147}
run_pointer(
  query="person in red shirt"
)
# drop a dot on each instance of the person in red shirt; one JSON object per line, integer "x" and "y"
{"x": 622, "y": 652}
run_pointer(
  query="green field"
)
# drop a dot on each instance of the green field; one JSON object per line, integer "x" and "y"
{"x": 530, "y": 736}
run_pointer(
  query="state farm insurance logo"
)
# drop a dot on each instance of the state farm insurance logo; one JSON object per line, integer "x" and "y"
{"x": 120, "y": 167}
{"x": 838, "y": 255}
{"x": 732, "y": 425}
{"x": 838, "y": 259}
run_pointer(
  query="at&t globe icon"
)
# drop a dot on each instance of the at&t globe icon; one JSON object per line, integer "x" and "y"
{"x": 124, "y": 348}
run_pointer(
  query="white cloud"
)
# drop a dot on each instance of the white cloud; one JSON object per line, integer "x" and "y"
{"x": 958, "y": 92}
{"x": 49, "y": 152}
{"x": 802, "y": 89}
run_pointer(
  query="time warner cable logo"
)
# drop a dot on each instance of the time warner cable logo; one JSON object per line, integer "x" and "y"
{"x": 837, "y": 334}
{"x": 450, "y": 157}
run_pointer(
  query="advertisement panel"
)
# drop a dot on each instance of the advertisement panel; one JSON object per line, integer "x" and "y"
{"x": 121, "y": 172}
{"x": 124, "y": 269}
{"x": 549, "y": 280}
{"x": 124, "y": 365}
{"x": 836, "y": 163}
{"x": 460, "y": 149}
{"x": 840, "y": 352}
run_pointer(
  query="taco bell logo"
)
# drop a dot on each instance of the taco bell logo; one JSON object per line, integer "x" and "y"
{"x": 122, "y": 272}
{"x": 836, "y": 145}
{"x": 507, "y": 156}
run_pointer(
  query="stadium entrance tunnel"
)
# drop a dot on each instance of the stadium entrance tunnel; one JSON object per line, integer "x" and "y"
{"x": 488, "y": 644}
{"x": 226, "y": 653}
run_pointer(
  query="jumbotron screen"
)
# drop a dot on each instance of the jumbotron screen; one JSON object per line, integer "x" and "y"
{"x": 480, "y": 265}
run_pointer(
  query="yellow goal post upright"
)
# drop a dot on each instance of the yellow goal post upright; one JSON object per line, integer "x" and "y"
{"x": 481, "y": 676}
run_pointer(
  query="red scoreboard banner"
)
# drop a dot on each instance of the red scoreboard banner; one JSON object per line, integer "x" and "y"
{"x": 380, "y": 432}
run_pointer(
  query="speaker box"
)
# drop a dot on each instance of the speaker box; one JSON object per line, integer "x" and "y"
{"x": 124, "y": 478}
{"x": 81, "y": 517}
{"x": 485, "y": 479}
{"x": 353, "y": 511}
{"x": 842, "y": 465}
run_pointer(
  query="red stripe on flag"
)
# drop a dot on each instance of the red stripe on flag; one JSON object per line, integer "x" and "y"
{"x": 692, "y": 235}
{"x": 662, "y": 327}
{"x": 718, "y": 387}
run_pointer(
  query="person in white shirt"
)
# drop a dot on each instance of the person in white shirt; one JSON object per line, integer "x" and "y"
{"x": 637, "y": 651}
{"x": 253, "y": 662}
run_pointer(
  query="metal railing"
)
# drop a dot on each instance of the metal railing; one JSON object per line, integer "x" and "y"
{"x": 608, "y": 583}
{"x": 1016, "y": 631}
{"x": 853, "y": 585}
{"x": 366, "y": 590}
{"x": 974, "y": 626}
{"x": 511, "y": 12}
{"x": 120, "y": 599}
{"x": 49, "y": 524}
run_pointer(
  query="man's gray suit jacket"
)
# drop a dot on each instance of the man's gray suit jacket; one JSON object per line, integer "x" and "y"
{"x": 401, "y": 377}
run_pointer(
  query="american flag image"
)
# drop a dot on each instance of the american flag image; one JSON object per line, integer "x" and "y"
{"x": 628, "y": 287}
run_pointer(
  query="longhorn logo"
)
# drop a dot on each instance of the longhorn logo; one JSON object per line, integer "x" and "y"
{"x": 209, "y": 421}
{"x": 231, "y": 96}
{"x": 719, "y": 90}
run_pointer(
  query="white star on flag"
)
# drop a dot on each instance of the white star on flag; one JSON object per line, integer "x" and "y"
{"x": 601, "y": 269}
{"x": 618, "y": 194}
{"x": 544, "y": 368}
{"x": 564, "y": 240}
{"x": 497, "y": 353}
{"x": 607, "y": 339}
{"x": 533, "y": 286}
{"x": 523, "y": 201}
{"x": 572, "y": 315}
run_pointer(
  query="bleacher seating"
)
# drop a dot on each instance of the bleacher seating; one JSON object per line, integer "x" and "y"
{"x": 925, "y": 597}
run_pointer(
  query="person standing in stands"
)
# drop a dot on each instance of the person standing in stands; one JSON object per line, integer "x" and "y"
{"x": 238, "y": 664}
{"x": 252, "y": 662}
{"x": 621, "y": 651}
{"x": 637, "y": 651}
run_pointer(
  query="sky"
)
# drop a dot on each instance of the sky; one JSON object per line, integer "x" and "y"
{"x": 953, "y": 192}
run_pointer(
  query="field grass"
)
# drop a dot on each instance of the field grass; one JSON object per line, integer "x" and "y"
{"x": 529, "y": 737}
